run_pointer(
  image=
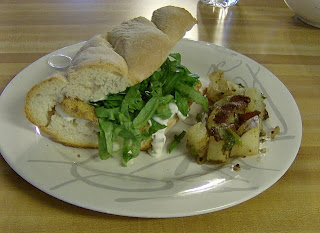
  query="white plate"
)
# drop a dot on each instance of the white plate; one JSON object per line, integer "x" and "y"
{"x": 170, "y": 186}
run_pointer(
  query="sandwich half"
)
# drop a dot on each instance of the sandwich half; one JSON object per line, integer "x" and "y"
{"x": 121, "y": 90}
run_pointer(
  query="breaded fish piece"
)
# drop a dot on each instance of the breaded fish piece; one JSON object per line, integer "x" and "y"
{"x": 79, "y": 109}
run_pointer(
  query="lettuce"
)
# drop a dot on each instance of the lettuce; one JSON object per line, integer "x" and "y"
{"x": 105, "y": 138}
{"x": 126, "y": 114}
{"x": 182, "y": 103}
{"x": 176, "y": 141}
{"x": 146, "y": 113}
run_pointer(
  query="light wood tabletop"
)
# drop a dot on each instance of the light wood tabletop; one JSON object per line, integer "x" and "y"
{"x": 266, "y": 31}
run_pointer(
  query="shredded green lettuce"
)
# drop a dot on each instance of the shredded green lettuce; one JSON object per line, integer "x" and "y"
{"x": 125, "y": 115}
{"x": 176, "y": 141}
{"x": 182, "y": 103}
{"x": 189, "y": 92}
{"x": 146, "y": 113}
{"x": 105, "y": 138}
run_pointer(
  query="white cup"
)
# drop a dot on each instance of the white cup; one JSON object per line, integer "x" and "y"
{"x": 307, "y": 10}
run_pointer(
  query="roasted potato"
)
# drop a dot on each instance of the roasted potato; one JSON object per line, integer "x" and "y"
{"x": 249, "y": 144}
{"x": 220, "y": 87}
{"x": 197, "y": 140}
{"x": 215, "y": 109}
{"x": 233, "y": 125}
{"x": 256, "y": 102}
{"x": 249, "y": 124}
{"x": 215, "y": 152}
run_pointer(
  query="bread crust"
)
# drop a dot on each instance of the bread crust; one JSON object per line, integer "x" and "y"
{"x": 143, "y": 46}
{"x": 99, "y": 52}
{"x": 55, "y": 137}
{"x": 173, "y": 21}
{"x": 49, "y": 89}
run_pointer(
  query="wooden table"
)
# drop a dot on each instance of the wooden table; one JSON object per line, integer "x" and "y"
{"x": 266, "y": 31}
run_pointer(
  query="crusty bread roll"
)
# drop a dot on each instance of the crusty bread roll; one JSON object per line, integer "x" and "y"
{"x": 76, "y": 132}
{"x": 173, "y": 21}
{"x": 142, "y": 45}
{"x": 105, "y": 64}
{"x": 145, "y": 45}
{"x": 95, "y": 71}
{"x": 42, "y": 98}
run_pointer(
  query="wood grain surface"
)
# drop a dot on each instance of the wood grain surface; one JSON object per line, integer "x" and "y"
{"x": 266, "y": 31}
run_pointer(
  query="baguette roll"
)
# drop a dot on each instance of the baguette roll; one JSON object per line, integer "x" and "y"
{"x": 145, "y": 44}
{"x": 42, "y": 98}
{"x": 142, "y": 45}
{"x": 96, "y": 70}
{"x": 173, "y": 21}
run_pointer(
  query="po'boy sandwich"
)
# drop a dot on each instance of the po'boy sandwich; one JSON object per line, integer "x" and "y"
{"x": 122, "y": 91}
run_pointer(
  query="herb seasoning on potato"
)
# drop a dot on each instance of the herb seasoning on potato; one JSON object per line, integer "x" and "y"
{"x": 234, "y": 123}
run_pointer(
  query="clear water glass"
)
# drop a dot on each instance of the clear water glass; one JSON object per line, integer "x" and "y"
{"x": 220, "y": 3}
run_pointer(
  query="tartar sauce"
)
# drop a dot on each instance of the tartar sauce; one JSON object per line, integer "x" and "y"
{"x": 68, "y": 117}
{"x": 63, "y": 114}
{"x": 159, "y": 138}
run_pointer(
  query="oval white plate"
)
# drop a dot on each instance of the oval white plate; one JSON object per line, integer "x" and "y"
{"x": 170, "y": 186}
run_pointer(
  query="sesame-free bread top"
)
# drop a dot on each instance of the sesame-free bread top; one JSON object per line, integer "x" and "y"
{"x": 173, "y": 21}
{"x": 146, "y": 44}
{"x": 143, "y": 46}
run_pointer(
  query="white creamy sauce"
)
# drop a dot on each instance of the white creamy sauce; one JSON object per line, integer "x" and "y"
{"x": 68, "y": 117}
{"x": 159, "y": 138}
{"x": 160, "y": 120}
{"x": 63, "y": 114}
{"x": 158, "y": 141}
{"x": 181, "y": 116}
{"x": 174, "y": 110}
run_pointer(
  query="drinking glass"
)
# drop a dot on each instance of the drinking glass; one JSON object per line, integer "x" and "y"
{"x": 220, "y": 3}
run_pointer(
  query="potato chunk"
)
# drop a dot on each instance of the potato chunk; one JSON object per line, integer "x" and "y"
{"x": 215, "y": 153}
{"x": 256, "y": 102}
{"x": 249, "y": 144}
{"x": 197, "y": 140}
{"x": 220, "y": 87}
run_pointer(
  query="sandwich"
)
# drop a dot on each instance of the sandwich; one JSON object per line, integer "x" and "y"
{"x": 122, "y": 91}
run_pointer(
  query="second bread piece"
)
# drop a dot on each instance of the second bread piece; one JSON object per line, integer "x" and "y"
{"x": 142, "y": 45}
{"x": 173, "y": 21}
{"x": 146, "y": 44}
